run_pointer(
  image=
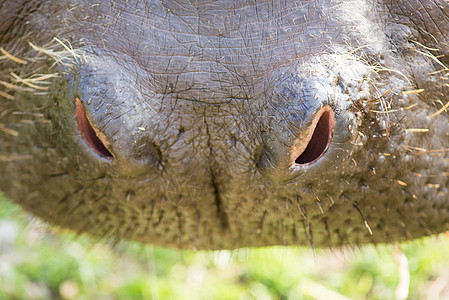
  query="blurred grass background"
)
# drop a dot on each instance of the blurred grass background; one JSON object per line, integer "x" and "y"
{"x": 38, "y": 264}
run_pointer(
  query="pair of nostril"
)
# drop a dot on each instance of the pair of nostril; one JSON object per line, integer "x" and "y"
{"x": 313, "y": 146}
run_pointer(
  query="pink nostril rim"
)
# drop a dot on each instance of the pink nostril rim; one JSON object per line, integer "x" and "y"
{"x": 319, "y": 137}
{"x": 88, "y": 132}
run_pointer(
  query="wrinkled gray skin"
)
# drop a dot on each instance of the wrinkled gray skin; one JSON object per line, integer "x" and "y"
{"x": 204, "y": 107}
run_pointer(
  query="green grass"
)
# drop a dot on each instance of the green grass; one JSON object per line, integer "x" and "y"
{"x": 38, "y": 264}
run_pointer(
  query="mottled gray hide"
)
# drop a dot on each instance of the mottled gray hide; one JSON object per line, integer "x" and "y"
{"x": 225, "y": 124}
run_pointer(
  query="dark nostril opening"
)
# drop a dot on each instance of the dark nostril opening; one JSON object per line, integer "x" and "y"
{"x": 320, "y": 138}
{"x": 89, "y": 133}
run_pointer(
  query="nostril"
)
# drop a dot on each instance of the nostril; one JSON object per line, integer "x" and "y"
{"x": 318, "y": 138}
{"x": 90, "y": 135}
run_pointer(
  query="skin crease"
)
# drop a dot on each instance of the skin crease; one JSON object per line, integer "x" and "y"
{"x": 202, "y": 107}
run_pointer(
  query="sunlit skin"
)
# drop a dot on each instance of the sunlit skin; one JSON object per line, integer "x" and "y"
{"x": 227, "y": 124}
